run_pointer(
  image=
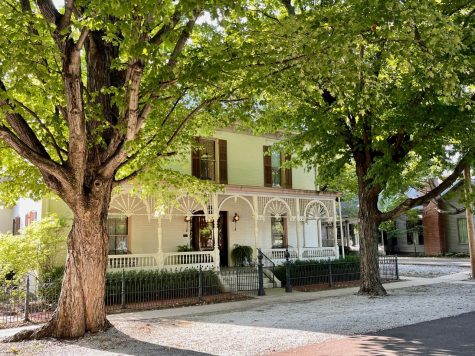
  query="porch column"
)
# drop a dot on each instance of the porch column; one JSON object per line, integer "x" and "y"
{"x": 335, "y": 237}
{"x": 319, "y": 233}
{"x": 256, "y": 225}
{"x": 347, "y": 224}
{"x": 341, "y": 230}
{"x": 297, "y": 227}
{"x": 160, "y": 259}
{"x": 215, "y": 231}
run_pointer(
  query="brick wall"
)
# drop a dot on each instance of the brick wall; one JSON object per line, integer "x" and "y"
{"x": 434, "y": 239}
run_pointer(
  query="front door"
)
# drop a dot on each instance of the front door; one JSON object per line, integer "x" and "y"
{"x": 223, "y": 238}
{"x": 202, "y": 238}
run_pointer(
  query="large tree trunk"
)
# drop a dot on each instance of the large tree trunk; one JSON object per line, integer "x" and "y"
{"x": 369, "y": 265}
{"x": 81, "y": 306}
{"x": 369, "y": 216}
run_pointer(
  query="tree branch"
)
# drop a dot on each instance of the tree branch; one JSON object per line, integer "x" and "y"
{"x": 21, "y": 127}
{"x": 44, "y": 164}
{"x": 58, "y": 149}
{"x": 160, "y": 35}
{"x": 49, "y": 11}
{"x": 65, "y": 21}
{"x": 184, "y": 36}
{"x": 288, "y": 6}
{"x": 412, "y": 202}
{"x": 82, "y": 38}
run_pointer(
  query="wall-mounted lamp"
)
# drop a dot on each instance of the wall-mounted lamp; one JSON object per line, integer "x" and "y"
{"x": 187, "y": 221}
{"x": 235, "y": 220}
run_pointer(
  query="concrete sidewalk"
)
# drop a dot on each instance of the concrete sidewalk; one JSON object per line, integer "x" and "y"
{"x": 277, "y": 295}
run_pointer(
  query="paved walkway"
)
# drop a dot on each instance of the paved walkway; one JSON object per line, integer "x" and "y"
{"x": 447, "y": 336}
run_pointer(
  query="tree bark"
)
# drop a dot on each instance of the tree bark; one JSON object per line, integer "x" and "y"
{"x": 469, "y": 215}
{"x": 81, "y": 305}
{"x": 370, "y": 219}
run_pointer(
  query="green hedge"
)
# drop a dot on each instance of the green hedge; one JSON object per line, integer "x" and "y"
{"x": 316, "y": 271}
{"x": 143, "y": 286}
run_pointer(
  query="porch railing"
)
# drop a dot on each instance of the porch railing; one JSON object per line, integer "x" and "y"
{"x": 318, "y": 253}
{"x": 131, "y": 262}
{"x": 278, "y": 254}
{"x": 205, "y": 259}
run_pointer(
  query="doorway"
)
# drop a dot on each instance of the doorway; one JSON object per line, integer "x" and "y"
{"x": 202, "y": 238}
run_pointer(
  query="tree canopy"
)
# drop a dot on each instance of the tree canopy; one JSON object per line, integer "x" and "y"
{"x": 386, "y": 87}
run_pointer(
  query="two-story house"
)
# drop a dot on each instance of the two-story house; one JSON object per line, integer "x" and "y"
{"x": 262, "y": 205}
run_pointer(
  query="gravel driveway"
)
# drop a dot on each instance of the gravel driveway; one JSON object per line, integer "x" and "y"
{"x": 267, "y": 327}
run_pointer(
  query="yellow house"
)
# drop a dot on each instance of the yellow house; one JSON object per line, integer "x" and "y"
{"x": 262, "y": 205}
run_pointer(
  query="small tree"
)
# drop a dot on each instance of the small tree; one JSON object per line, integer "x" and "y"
{"x": 35, "y": 249}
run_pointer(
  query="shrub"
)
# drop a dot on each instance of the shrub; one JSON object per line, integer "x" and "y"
{"x": 143, "y": 286}
{"x": 34, "y": 249}
{"x": 241, "y": 254}
{"x": 305, "y": 272}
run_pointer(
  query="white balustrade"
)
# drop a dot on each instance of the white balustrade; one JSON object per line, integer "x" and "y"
{"x": 277, "y": 255}
{"x": 131, "y": 262}
{"x": 316, "y": 253}
{"x": 189, "y": 259}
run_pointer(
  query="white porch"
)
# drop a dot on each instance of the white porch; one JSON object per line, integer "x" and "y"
{"x": 155, "y": 231}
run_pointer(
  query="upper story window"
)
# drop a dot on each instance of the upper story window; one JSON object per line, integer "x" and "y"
{"x": 274, "y": 174}
{"x": 209, "y": 161}
{"x": 30, "y": 217}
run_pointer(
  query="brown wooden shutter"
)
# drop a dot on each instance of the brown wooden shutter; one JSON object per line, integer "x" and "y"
{"x": 267, "y": 167}
{"x": 195, "y": 161}
{"x": 287, "y": 174}
{"x": 34, "y": 216}
{"x": 17, "y": 225}
{"x": 223, "y": 161}
{"x": 27, "y": 219}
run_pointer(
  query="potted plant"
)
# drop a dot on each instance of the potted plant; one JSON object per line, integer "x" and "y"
{"x": 241, "y": 255}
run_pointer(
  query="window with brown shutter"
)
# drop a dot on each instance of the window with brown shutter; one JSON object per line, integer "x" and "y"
{"x": 274, "y": 174}
{"x": 287, "y": 174}
{"x": 223, "y": 161}
{"x": 209, "y": 161}
{"x": 16, "y": 225}
{"x": 267, "y": 167}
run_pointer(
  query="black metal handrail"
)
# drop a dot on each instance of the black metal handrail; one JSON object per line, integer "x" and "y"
{"x": 268, "y": 263}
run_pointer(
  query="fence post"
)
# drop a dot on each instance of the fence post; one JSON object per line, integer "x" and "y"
{"x": 123, "y": 306}
{"x": 288, "y": 283}
{"x": 260, "y": 270}
{"x": 237, "y": 278}
{"x": 397, "y": 268}
{"x": 200, "y": 284}
{"x": 330, "y": 278}
{"x": 27, "y": 299}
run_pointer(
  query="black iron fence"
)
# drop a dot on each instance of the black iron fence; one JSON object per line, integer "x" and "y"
{"x": 30, "y": 300}
{"x": 331, "y": 273}
{"x": 33, "y": 300}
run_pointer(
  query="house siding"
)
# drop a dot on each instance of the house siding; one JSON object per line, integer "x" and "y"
{"x": 6, "y": 220}
{"x": 245, "y": 162}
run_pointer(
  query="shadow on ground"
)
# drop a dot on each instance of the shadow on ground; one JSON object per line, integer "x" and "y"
{"x": 113, "y": 341}
{"x": 447, "y": 336}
